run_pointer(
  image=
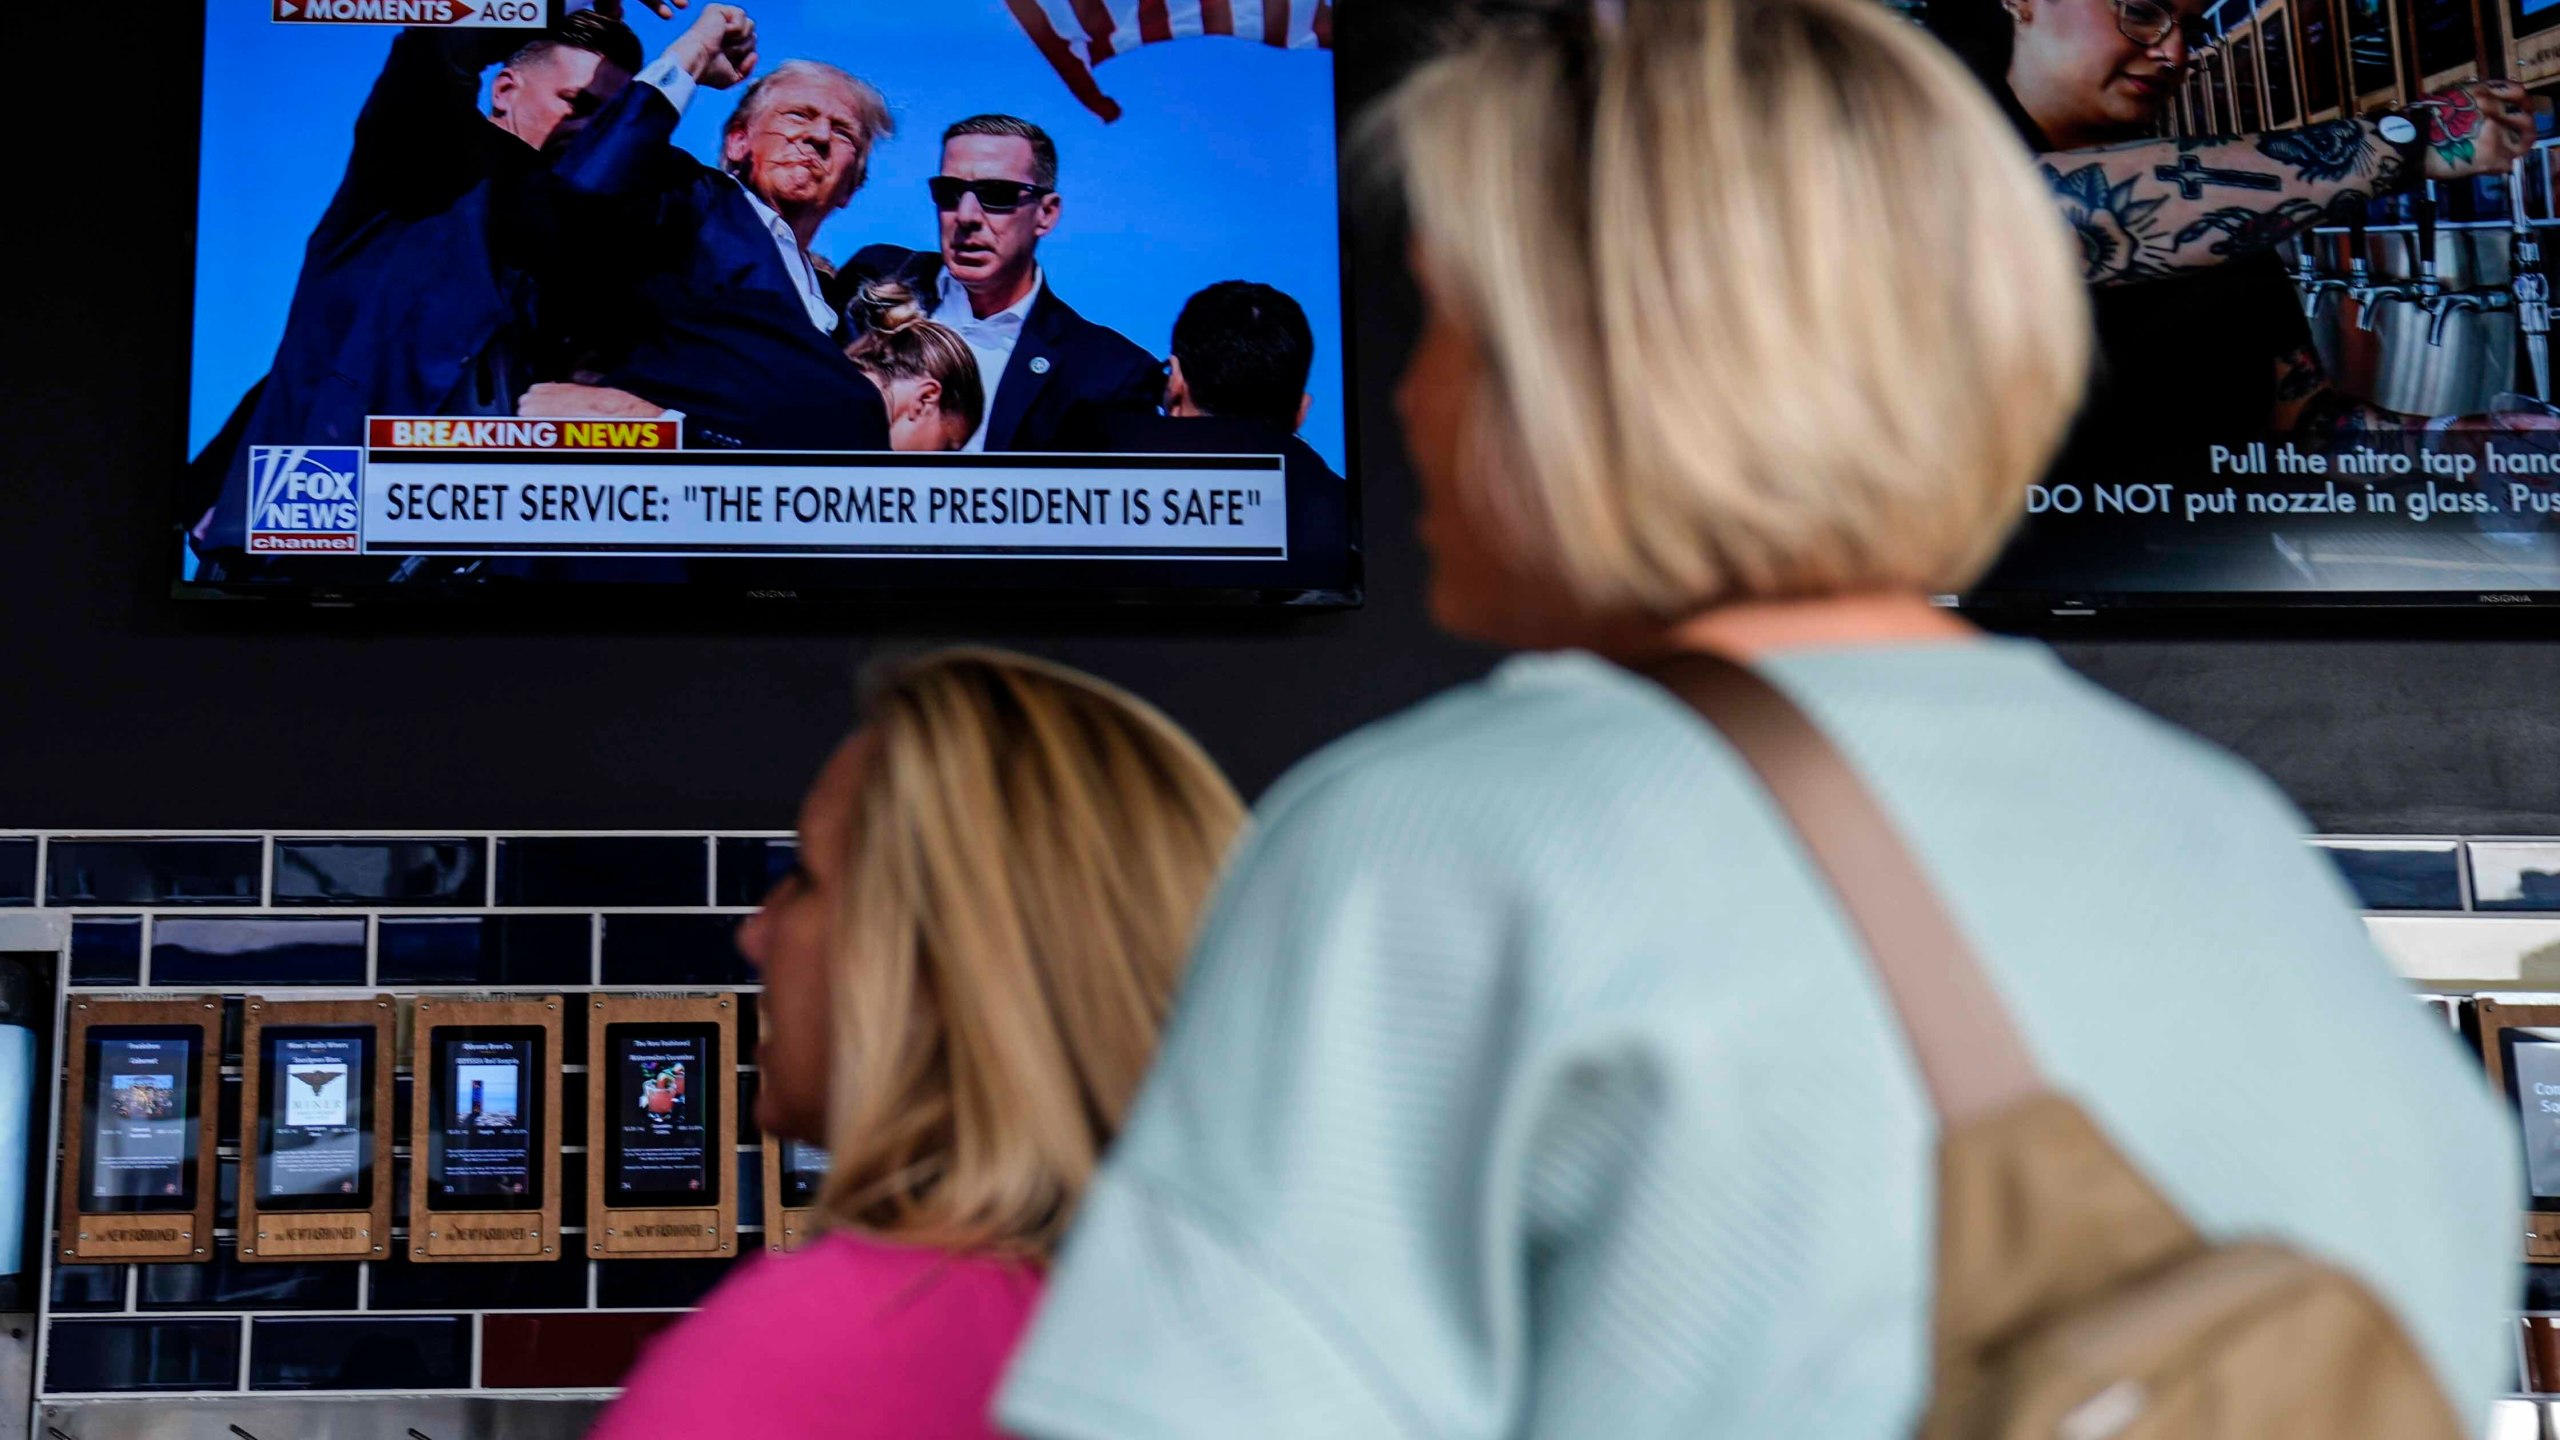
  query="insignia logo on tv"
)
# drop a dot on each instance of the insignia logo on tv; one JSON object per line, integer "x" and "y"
{"x": 302, "y": 499}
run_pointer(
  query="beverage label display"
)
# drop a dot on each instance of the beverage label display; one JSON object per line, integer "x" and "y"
{"x": 314, "y": 1085}
{"x": 140, "y": 1149}
{"x": 663, "y": 1129}
{"x": 486, "y": 1090}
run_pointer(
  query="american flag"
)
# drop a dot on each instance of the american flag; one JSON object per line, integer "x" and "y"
{"x": 1078, "y": 35}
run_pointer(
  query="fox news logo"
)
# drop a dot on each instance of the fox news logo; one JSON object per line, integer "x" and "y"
{"x": 302, "y": 499}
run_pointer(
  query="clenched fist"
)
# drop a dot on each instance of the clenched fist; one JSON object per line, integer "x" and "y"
{"x": 719, "y": 49}
{"x": 2479, "y": 127}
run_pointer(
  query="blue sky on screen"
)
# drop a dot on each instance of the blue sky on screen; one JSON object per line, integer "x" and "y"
{"x": 1221, "y": 168}
{"x": 497, "y": 1081}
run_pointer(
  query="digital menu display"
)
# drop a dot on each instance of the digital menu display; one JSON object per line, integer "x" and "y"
{"x": 139, "y": 1149}
{"x": 804, "y": 1170}
{"x": 2446, "y": 40}
{"x": 2244, "y": 81}
{"x": 316, "y": 1139}
{"x": 486, "y": 1090}
{"x": 2533, "y": 1082}
{"x": 662, "y": 1115}
{"x": 2370, "y": 60}
{"x": 2277, "y": 37}
{"x": 2319, "y": 56}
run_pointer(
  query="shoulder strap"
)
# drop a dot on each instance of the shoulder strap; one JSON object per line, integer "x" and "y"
{"x": 1969, "y": 1053}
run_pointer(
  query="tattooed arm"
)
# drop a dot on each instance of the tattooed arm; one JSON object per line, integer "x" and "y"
{"x": 2306, "y": 403}
{"x": 2154, "y": 208}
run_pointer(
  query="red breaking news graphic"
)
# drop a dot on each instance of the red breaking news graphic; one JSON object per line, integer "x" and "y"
{"x": 387, "y": 433}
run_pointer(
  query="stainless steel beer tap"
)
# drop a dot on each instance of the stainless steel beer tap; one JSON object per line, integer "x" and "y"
{"x": 2430, "y": 296}
{"x": 2444, "y": 303}
{"x": 2428, "y": 289}
{"x": 2306, "y": 271}
{"x": 2360, "y": 287}
{"x": 2306, "y": 274}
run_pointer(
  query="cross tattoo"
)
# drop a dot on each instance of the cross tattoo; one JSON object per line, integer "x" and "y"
{"x": 2191, "y": 175}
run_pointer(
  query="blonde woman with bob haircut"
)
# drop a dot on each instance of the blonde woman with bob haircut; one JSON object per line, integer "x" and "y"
{"x": 999, "y": 873}
{"x": 1528, "y": 1079}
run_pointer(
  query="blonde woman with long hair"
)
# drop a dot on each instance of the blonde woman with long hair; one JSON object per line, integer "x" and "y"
{"x": 999, "y": 873}
{"x": 1529, "y": 1079}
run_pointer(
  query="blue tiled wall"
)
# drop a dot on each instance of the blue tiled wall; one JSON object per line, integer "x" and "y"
{"x": 243, "y": 913}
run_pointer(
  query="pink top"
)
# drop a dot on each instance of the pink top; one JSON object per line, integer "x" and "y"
{"x": 850, "y": 1337}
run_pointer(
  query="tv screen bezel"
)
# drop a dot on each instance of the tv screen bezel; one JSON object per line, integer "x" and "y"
{"x": 895, "y": 588}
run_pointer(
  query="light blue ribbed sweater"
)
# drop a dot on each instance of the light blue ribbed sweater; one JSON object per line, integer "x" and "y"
{"x": 1527, "y": 1082}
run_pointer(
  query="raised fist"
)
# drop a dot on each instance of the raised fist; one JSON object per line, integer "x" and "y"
{"x": 719, "y": 49}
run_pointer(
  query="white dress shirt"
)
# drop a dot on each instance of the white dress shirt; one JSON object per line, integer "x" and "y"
{"x": 669, "y": 79}
{"x": 991, "y": 340}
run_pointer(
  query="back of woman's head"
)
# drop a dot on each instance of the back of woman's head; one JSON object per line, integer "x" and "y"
{"x": 895, "y": 339}
{"x": 1771, "y": 303}
{"x": 1029, "y": 852}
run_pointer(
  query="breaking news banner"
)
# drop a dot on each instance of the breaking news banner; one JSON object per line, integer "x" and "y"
{"x": 431, "y": 486}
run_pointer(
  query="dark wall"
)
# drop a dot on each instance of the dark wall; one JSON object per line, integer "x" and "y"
{"x": 122, "y": 708}
{"x": 2412, "y": 735}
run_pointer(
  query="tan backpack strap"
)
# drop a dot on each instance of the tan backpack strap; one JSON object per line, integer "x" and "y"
{"x": 1969, "y": 1053}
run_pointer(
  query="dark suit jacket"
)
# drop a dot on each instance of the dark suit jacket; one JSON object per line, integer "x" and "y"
{"x": 687, "y": 302}
{"x": 1063, "y": 362}
{"x": 414, "y": 296}
{"x": 1321, "y": 540}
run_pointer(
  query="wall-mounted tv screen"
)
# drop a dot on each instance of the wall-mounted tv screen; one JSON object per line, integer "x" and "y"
{"x": 2302, "y": 393}
{"x": 905, "y": 302}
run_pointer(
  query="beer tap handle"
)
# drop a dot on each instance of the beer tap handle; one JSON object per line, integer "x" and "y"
{"x": 2423, "y": 208}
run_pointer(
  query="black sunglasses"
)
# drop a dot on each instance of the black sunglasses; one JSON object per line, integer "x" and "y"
{"x": 994, "y": 196}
